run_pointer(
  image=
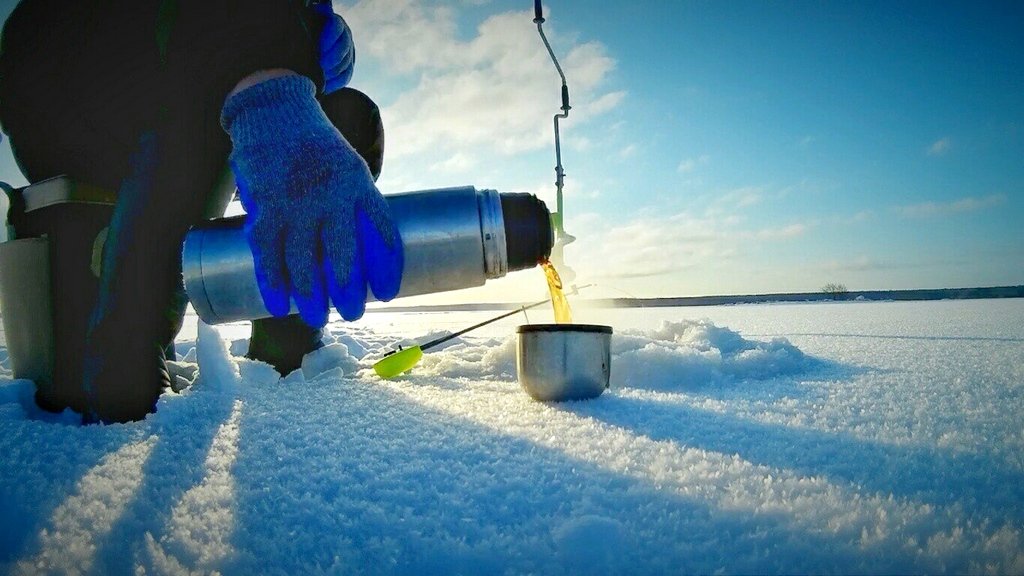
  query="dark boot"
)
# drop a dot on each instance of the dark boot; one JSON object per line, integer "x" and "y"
{"x": 125, "y": 385}
{"x": 282, "y": 342}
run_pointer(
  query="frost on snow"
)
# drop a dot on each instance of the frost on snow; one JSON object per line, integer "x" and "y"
{"x": 862, "y": 437}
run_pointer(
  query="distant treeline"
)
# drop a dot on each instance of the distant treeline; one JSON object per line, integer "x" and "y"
{"x": 875, "y": 295}
{"x": 864, "y": 295}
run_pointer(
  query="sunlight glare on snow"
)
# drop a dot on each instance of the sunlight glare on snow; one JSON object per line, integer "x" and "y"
{"x": 202, "y": 522}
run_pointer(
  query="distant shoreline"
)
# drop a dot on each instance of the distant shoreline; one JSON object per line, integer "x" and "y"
{"x": 850, "y": 296}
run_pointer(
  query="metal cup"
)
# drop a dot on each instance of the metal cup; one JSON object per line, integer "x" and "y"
{"x": 557, "y": 362}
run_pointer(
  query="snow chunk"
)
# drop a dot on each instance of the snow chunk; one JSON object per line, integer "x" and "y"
{"x": 675, "y": 355}
{"x": 465, "y": 358}
{"x": 239, "y": 347}
{"x": 257, "y": 373}
{"x": 357, "y": 348}
{"x": 592, "y": 545}
{"x": 334, "y": 358}
{"x": 693, "y": 353}
{"x": 217, "y": 370}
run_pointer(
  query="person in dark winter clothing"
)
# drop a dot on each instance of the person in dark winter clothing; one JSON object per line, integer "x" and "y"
{"x": 154, "y": 99}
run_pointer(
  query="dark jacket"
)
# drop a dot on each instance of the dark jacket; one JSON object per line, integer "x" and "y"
{"x": 82, "y": 84}
{"x": 80, "y": 80}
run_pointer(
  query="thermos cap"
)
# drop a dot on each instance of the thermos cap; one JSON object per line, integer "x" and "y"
{"x": 528, "y": 232}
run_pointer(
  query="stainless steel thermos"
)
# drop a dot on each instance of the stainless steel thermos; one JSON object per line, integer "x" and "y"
{"x": 453, "y": 238}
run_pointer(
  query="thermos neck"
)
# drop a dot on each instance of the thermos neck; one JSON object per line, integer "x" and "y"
{"x": 529, "y": 236}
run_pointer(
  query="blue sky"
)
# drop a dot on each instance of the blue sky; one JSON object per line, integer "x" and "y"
{"x": 721, "y": 147}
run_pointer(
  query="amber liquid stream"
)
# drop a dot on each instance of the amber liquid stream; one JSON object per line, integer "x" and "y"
{"x": 563, "y": 314}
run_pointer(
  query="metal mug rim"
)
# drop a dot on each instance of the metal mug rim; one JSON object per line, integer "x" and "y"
{"x": 591, "y": 328}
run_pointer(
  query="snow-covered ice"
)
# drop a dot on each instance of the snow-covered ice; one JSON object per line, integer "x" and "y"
{"x": 828, "y": 438}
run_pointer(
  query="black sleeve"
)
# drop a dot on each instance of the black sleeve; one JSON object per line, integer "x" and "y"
{"x": 79, "y": 81}
{"x": 72, "y": 75}
{"x": 216, "y": 43}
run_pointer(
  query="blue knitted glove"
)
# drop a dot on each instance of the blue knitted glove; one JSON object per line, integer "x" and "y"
{"x": 316, "y": 223}
{"x": 337, "y": 52}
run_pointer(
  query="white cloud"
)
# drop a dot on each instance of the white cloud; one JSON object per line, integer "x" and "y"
{"x": 690, "y": 247}
{"x": 861, "y": 263}
{"x": 809, "y": 188}
{"x": 940, "y": 146}
{"x": 647, "y": 245}
{"x": 938, "y": 209}
{"x": 690, "y": 164}
{"x": 455, "y": 164}
{"x": 782, "y": 233}
{"x": 737, "y": 198}
{"x": 605, "y": 103}
{"x": 577, "y": 143}
{"x": 845, "y": 219}
{"x": 652, "y": 244}
{"x": 862, "y": 216}
{"x": 575, "y": 189}
{"x": 496, "y": 89}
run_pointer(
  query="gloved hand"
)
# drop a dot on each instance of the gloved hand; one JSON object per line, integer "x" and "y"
{"x": 316, "y": 223}
{"x": 337, "y": 52}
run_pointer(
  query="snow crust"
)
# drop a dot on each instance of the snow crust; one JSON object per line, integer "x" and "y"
{"x": 826, "y": 438}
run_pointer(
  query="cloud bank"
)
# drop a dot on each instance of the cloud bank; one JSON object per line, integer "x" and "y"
{"x": 939, "y": 209}
{"x": 655, "y": 244}
{"x": 494, "y": 91}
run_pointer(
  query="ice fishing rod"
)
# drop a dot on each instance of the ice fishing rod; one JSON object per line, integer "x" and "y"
{"x": 561, "y": 236}
{"x": 402, "y": 360}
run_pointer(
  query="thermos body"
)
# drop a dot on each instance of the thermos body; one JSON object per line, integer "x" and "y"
{"x": 453, "y": 238}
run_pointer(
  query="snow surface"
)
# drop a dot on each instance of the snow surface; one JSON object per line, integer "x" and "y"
{"x": 824, "y": 438}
